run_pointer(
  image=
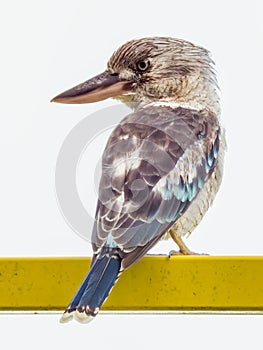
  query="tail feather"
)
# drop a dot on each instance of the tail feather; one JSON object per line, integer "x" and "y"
{"x": 94, "y": 289}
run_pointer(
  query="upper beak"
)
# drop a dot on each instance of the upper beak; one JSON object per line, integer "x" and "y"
{"x": 96, "y": 89}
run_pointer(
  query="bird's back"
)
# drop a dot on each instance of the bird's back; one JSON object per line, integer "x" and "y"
{"x": 155, "y": 163}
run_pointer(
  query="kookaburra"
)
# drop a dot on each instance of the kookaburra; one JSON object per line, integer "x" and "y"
{"x": 162, "y": 164}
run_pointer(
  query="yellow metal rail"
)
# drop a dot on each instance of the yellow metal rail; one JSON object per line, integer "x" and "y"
{"x": 193, "y": 283}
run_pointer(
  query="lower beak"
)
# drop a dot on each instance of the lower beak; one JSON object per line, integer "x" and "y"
{"x": 99, "y": 88}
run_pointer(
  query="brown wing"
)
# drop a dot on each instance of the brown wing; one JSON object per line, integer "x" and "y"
{"x": 154, "y": 164}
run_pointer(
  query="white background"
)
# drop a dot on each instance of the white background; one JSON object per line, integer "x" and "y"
{"x": 49, "y": 46}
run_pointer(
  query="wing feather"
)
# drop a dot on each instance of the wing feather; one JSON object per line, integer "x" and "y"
{"x": 155, "y": 163}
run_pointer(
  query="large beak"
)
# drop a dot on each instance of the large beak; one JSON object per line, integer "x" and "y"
{"x": 96, "y": 89}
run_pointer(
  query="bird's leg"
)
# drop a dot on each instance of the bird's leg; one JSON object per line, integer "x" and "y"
{"x": 183, "y": 249}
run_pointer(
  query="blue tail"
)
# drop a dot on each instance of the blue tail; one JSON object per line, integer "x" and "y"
{"x": 95, "y": 288}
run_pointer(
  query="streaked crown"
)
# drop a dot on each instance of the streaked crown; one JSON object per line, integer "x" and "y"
{"x": 165, "y": 69}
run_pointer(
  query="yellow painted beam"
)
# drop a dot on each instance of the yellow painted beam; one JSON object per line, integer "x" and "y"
{"x": 193, "y": 283}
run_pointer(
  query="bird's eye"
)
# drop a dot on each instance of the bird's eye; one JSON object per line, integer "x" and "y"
{"x": 143, "y": 65}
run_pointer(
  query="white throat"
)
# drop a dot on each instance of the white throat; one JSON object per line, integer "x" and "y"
{"x": 187, "y": 105}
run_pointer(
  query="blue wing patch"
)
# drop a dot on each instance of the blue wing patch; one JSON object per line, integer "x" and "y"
{"x": 179, "y": 187}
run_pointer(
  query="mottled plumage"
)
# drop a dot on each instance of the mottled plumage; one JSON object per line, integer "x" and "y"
{"x": 152, "y": 170}
{"x": 162, "y": 165}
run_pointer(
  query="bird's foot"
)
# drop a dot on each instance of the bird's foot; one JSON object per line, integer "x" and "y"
{"x": 180, "y": 253}
{"x": 183, "y": 249}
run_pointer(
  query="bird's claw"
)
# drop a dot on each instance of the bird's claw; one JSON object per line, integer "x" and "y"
{"x": 180, "y": 253}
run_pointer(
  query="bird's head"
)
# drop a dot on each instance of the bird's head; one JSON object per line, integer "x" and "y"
{"x": 151, "y": 69}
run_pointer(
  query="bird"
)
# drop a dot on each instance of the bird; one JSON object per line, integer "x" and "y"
{"x": 163, "y": 163}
